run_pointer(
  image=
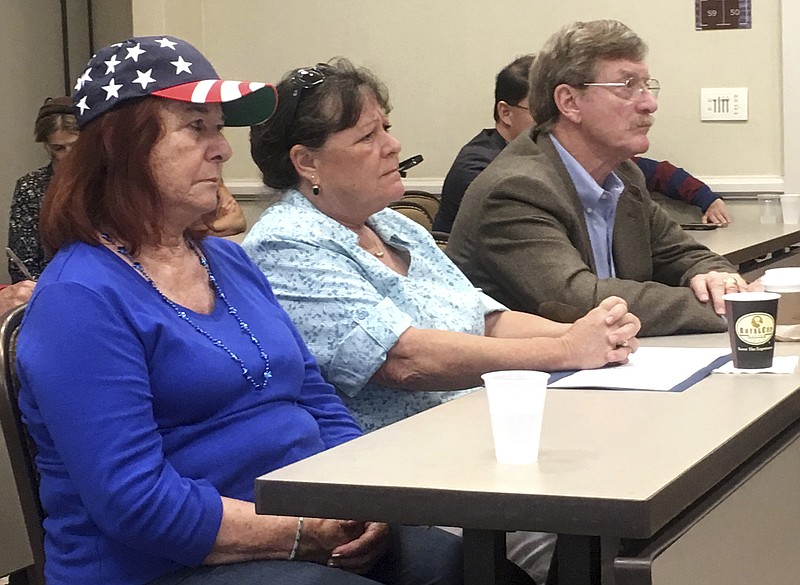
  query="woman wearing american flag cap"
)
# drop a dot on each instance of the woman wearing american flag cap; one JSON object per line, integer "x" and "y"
{"x": 159, "y": 375}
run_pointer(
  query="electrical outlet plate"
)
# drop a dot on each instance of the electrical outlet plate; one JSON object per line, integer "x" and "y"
{"x": 723, "y": 103}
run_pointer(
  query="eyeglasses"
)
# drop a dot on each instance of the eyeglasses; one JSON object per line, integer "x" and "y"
{"x": 526, "y": 108}
{"x": 632, "y": 88}
{"x": 302, "y": 80}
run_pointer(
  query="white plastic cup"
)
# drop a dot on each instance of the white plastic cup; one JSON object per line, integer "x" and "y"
{"x": 516, "y": 408}
{"x": 786, "y": 282}
{"x": 769, "y": 206}
{"x": 790, "y": 207}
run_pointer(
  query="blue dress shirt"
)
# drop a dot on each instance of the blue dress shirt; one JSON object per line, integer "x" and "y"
{"x": 599, "y": 209}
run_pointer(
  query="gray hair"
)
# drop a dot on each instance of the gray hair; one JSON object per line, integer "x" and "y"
{"x": 571, "y": 56}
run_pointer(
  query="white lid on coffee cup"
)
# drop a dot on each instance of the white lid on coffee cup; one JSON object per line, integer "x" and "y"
{"x": 782, "y": 280}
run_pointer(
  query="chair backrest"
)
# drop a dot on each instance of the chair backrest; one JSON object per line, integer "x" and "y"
{"x": 21, "y": 448}
{"x": 419, "y": 206}
{"x": 424, "y": 199}
{"x": 415, "y": 212}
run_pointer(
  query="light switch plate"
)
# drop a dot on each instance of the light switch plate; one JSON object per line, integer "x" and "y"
{"x": 723, "y": 103}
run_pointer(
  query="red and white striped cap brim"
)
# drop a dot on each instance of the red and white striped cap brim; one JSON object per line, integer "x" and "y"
{"x": 244, "y": 103}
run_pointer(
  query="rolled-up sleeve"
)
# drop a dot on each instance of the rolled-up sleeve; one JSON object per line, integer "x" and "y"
{"x": 363, "y": 350}
{"x": 490, "y": 305}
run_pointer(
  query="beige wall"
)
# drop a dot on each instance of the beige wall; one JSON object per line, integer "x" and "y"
{"x": 32, "y": 65}
{"x": 791, "y": 96}
{"x": 112, "y": 21}
{"x": 79, "y": 44}
{"x": 439, "y": 60}
{"x": 31, "y": 59}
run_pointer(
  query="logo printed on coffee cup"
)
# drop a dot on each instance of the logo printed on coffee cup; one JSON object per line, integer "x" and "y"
{"x": 755, "y": 328}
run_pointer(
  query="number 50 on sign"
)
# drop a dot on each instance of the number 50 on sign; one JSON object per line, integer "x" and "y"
{"x": 721, "y": 14}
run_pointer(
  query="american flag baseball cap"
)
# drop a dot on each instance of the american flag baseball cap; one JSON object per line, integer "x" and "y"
{"x": 166, "y": 67}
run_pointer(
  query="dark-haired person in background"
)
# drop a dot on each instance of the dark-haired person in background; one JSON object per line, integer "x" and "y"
{"x": 512, "y": 117}
{"x": 55, "y": 127}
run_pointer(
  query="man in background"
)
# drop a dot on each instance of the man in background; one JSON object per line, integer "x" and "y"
{"x": 511, "y": 117}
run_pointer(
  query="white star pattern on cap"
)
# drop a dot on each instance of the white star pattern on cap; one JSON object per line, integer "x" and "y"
{"x": 112, "y": 89}
{"x": 134, "y": 52}
{"x": 83, "y": 79}
{"x": 181, "y": 66}
{"x": 165, "y": 42}
{"x": 111, "y": 65}
{"x": 168, "y": 68}
{"x": 144, "y": 78}
{"x": 82, "y": 105}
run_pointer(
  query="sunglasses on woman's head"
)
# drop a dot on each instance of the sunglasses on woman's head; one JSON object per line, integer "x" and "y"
{"x": 302, "y": 79}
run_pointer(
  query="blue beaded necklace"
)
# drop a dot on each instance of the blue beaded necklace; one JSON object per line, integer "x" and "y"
{"x": 123, "y": 251}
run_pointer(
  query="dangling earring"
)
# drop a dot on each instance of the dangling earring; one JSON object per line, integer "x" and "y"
{"x": 314, "y": 185}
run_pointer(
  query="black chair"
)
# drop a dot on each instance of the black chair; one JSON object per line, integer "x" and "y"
{"x": 441, "y": 239}
{"x": 21, "y": 450}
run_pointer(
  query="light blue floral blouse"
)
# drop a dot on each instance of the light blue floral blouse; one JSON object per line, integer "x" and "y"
{"x": 350, "y": 308}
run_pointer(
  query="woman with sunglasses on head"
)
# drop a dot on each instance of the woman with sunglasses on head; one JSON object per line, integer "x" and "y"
{"x": 393, "y": 323}
{"x": 395, "y": 326}
{"x": 159, "y": 376}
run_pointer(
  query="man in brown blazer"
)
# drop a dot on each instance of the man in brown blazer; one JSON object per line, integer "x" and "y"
{"x": 562, "y": 219}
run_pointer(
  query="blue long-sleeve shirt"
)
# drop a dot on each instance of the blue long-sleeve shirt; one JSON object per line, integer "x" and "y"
{"x": 142, "y": 423}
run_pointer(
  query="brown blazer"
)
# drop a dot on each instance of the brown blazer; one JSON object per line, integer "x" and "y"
{"x": 520, "y": 235}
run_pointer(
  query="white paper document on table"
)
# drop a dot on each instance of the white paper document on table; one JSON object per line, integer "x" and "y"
{"x": 651, "y": 368}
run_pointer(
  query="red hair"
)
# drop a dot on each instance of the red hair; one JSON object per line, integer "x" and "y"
{"x": 106, "y": 184}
